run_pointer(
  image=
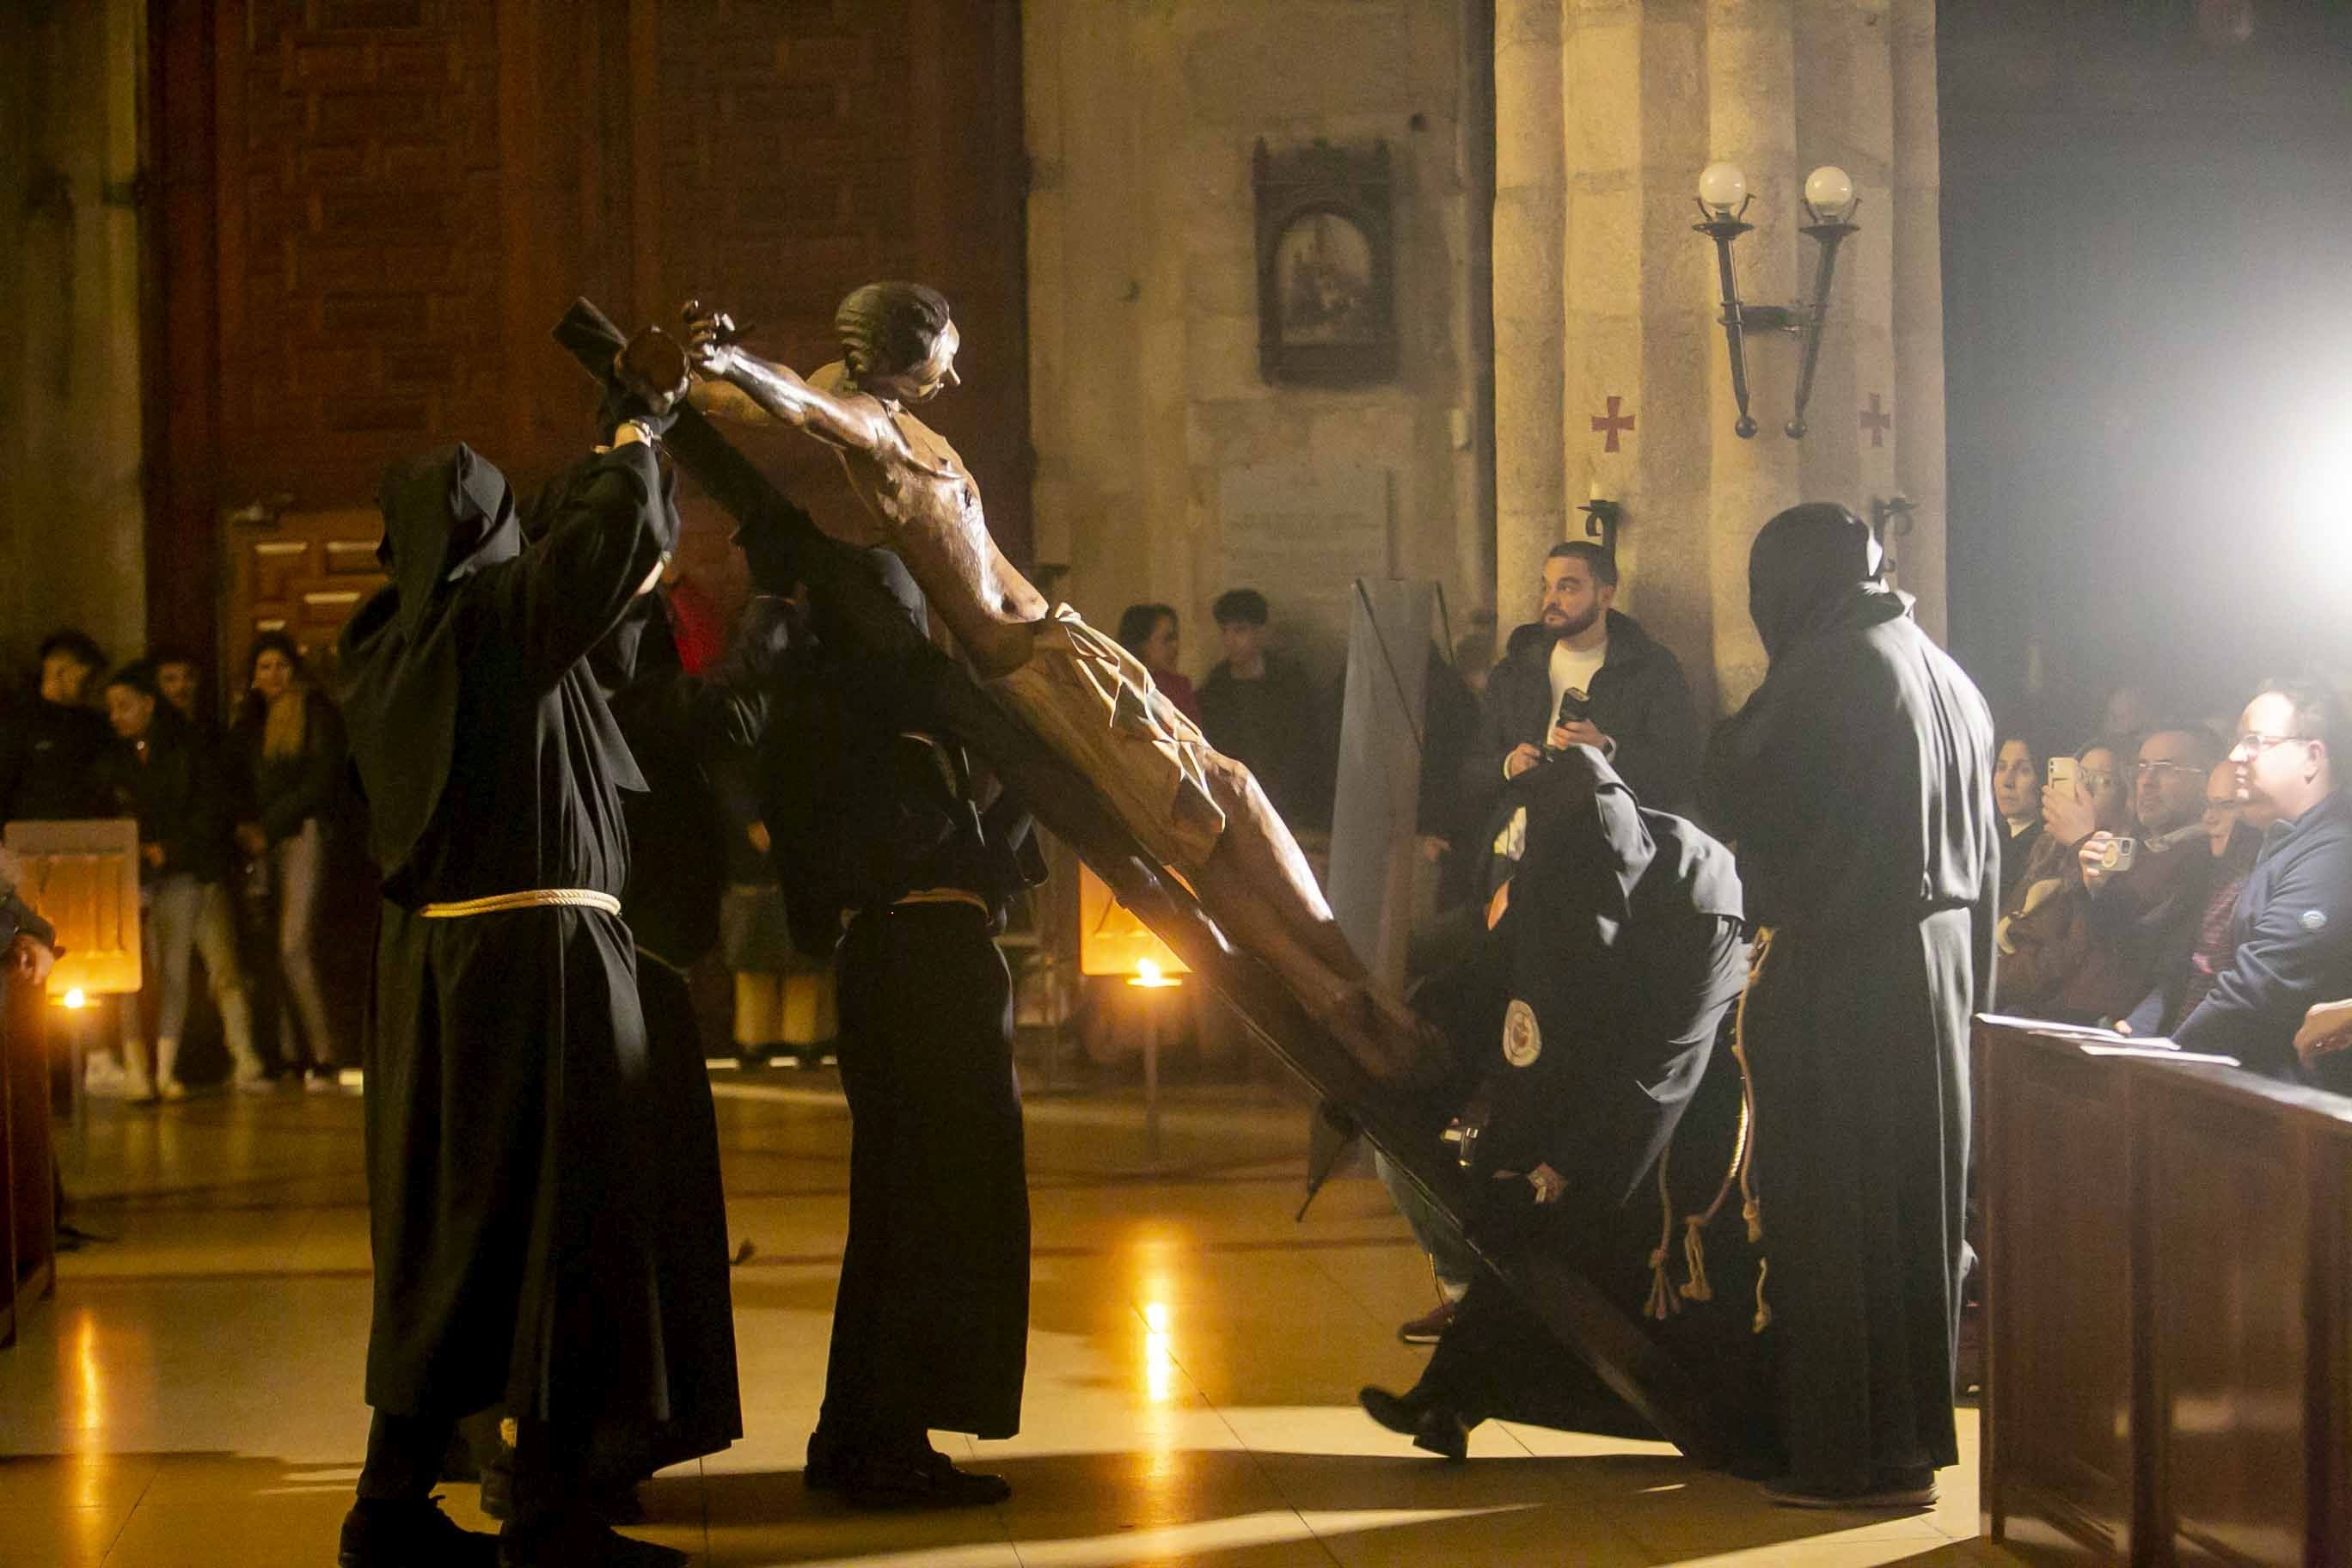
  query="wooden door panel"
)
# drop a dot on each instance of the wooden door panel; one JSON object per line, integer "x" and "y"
{"x": 303, "y": 574}
{"x": 379, "y": 208}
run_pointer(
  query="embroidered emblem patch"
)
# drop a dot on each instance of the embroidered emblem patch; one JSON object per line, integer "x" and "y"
{"x": 2313, "y": 919}
{"x": 1522, "y": 1041}
{"x": 1512, "y": 842}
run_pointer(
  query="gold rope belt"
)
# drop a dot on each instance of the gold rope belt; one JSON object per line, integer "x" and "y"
{"x": 537, "y": 898}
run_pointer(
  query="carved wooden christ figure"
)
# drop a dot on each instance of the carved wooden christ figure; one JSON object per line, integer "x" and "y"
{"x": 1199, "y": 811}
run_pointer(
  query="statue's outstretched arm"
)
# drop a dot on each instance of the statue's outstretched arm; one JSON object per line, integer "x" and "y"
{"x": 776, "y": 390}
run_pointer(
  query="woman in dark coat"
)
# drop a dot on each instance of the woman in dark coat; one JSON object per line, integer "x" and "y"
{"x": 290, "y": 737}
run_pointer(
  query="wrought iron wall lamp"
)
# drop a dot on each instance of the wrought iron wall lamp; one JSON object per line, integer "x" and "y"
{"x": 1830, "y": 202}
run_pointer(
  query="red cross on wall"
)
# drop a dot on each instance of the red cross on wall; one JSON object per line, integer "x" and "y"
{"x": 1877, "y": 421}
{"x": 1612, "y": 425}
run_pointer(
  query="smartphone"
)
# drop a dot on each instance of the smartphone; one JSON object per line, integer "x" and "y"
{"x": 2061, "y": 774}
{"x": 2116, "y": 855}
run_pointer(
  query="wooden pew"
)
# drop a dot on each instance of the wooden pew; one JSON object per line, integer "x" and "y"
{"x": 2168, "y": 1294}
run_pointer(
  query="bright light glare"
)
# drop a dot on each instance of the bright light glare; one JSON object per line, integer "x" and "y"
{"x": 1150, "y": 976}
{"x": 74, "y": 999}
{"x": 1159, "y": 1355}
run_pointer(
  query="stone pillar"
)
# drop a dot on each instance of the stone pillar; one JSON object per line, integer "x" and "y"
{"x": 1917, "y": 202}
{"x": 72, "y": 551}
{"x": 1531, "y": 234}
{"x": 1650, "y": 91}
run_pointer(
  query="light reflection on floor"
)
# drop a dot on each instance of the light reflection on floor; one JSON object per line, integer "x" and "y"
{"x": 191, "y": 1397}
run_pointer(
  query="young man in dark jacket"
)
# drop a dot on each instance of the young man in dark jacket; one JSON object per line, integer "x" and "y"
{"x": 1584, "y": 674}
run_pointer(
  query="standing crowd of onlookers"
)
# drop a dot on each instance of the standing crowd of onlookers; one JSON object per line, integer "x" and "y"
{"x": 237, "y": 825}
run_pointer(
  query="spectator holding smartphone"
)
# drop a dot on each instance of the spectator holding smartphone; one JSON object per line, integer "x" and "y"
{"x": 2148, "y": 895}
{"x": 2051, "y": 963}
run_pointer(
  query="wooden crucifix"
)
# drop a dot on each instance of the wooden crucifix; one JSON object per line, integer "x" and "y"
{"x": 851, "y": 607}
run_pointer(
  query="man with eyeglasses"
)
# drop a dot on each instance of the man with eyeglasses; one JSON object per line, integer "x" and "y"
{"x": 2293, "y": 926}
{"x": 2146, "y": 895}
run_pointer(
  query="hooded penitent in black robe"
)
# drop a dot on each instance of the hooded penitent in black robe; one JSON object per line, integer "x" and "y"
{"x": 518, "y": 1262}
{"x": 876, "y": 829}
{"x": 1857, "y": 787}
{"x": 1585, "y": 1026}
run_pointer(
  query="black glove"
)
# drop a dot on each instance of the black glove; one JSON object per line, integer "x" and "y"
{"x": 647, "y": 386}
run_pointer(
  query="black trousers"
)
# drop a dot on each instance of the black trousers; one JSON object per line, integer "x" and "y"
{"x": 931, "y": 1324}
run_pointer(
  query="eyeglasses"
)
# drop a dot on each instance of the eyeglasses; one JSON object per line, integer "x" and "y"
{"x": 2156, "y": 770}
{"x": 2097, "y": 778}
{"x": 2255, "y": 745}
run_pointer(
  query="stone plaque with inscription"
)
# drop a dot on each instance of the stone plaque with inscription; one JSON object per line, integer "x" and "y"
{"x": 1302, "y": 536}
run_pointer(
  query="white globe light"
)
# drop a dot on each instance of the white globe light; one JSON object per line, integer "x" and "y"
{"x": 1721, "y": 188}
{"x": 1829, "y": 191}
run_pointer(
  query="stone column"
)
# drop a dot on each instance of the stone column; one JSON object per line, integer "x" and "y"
{"x": 1531, "y": 234}
{"x": 1916, "y": 203}
{"x": 1751, "y": 85}
{"x": 73, "y": 552}
{"x": 1650, "y": 91}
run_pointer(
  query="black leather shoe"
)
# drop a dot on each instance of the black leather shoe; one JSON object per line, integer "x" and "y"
{"x": 925, "y": 1479}
{"x": 382, "y": 1534}
{"x": 1431, "y": 1424}
{"x": 579, "y": 1539}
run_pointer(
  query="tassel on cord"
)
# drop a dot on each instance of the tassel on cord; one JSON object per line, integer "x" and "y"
{"x": 1741, "y": 1172}
{"x": 1763, "y": 1309}
{"x": 1663, "y": 1304}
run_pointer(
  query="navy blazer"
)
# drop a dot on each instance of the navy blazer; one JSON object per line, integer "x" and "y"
{"x": 2292, "y": 932}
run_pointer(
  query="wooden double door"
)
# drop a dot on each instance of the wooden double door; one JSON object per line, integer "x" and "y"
{"x": 368, "y": 214}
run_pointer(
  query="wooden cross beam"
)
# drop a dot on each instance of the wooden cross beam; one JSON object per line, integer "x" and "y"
{"x": 851, "y": 607}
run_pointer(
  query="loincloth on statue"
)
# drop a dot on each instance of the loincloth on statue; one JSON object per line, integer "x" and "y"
{"x": 1095, "y": 703}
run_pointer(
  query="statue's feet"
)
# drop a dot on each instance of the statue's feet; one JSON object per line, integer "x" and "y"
{"x": 1390, "y": 1049}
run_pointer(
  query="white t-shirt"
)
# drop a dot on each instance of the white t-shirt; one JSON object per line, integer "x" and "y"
{"x": 1573, "y": 668}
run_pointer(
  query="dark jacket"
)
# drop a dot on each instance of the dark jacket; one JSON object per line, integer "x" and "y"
{"x": 1640, "y": 700}
{"x": 288, "y": 792}
{"x": 2294, "y": 935}
{"x": 177, "y": 795}
{"x": 2016, "y": 854}
{"x": 1276, "y": 727}
{"x": 49, "y": 761}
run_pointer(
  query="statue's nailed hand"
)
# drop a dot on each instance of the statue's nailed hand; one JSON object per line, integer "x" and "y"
{"x": 710, "y": 339}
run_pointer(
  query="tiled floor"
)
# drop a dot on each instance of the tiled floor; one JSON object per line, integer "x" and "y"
{"x": 191, "y": 1397}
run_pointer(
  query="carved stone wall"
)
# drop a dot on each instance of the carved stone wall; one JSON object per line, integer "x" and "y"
{"x": 1143, "y": 307}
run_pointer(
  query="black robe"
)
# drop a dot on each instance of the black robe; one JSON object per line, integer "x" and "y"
{"x": 1586, "y": 1025}
{"x": 1857, "y": 787}
{"x": 868, "y": 801}
{"x": 679, "y": 727}
{"x": 517, "y": 1259}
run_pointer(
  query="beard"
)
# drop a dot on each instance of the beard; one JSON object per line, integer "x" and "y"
{"x": 1560, "y": 623}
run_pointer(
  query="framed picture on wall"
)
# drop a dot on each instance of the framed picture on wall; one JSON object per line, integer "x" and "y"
{"x": 1326, "y": 265}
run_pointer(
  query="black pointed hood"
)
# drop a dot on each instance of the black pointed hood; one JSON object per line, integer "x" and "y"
{"x": 1812, "y": 568}
{"x": 446, "y": 515}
